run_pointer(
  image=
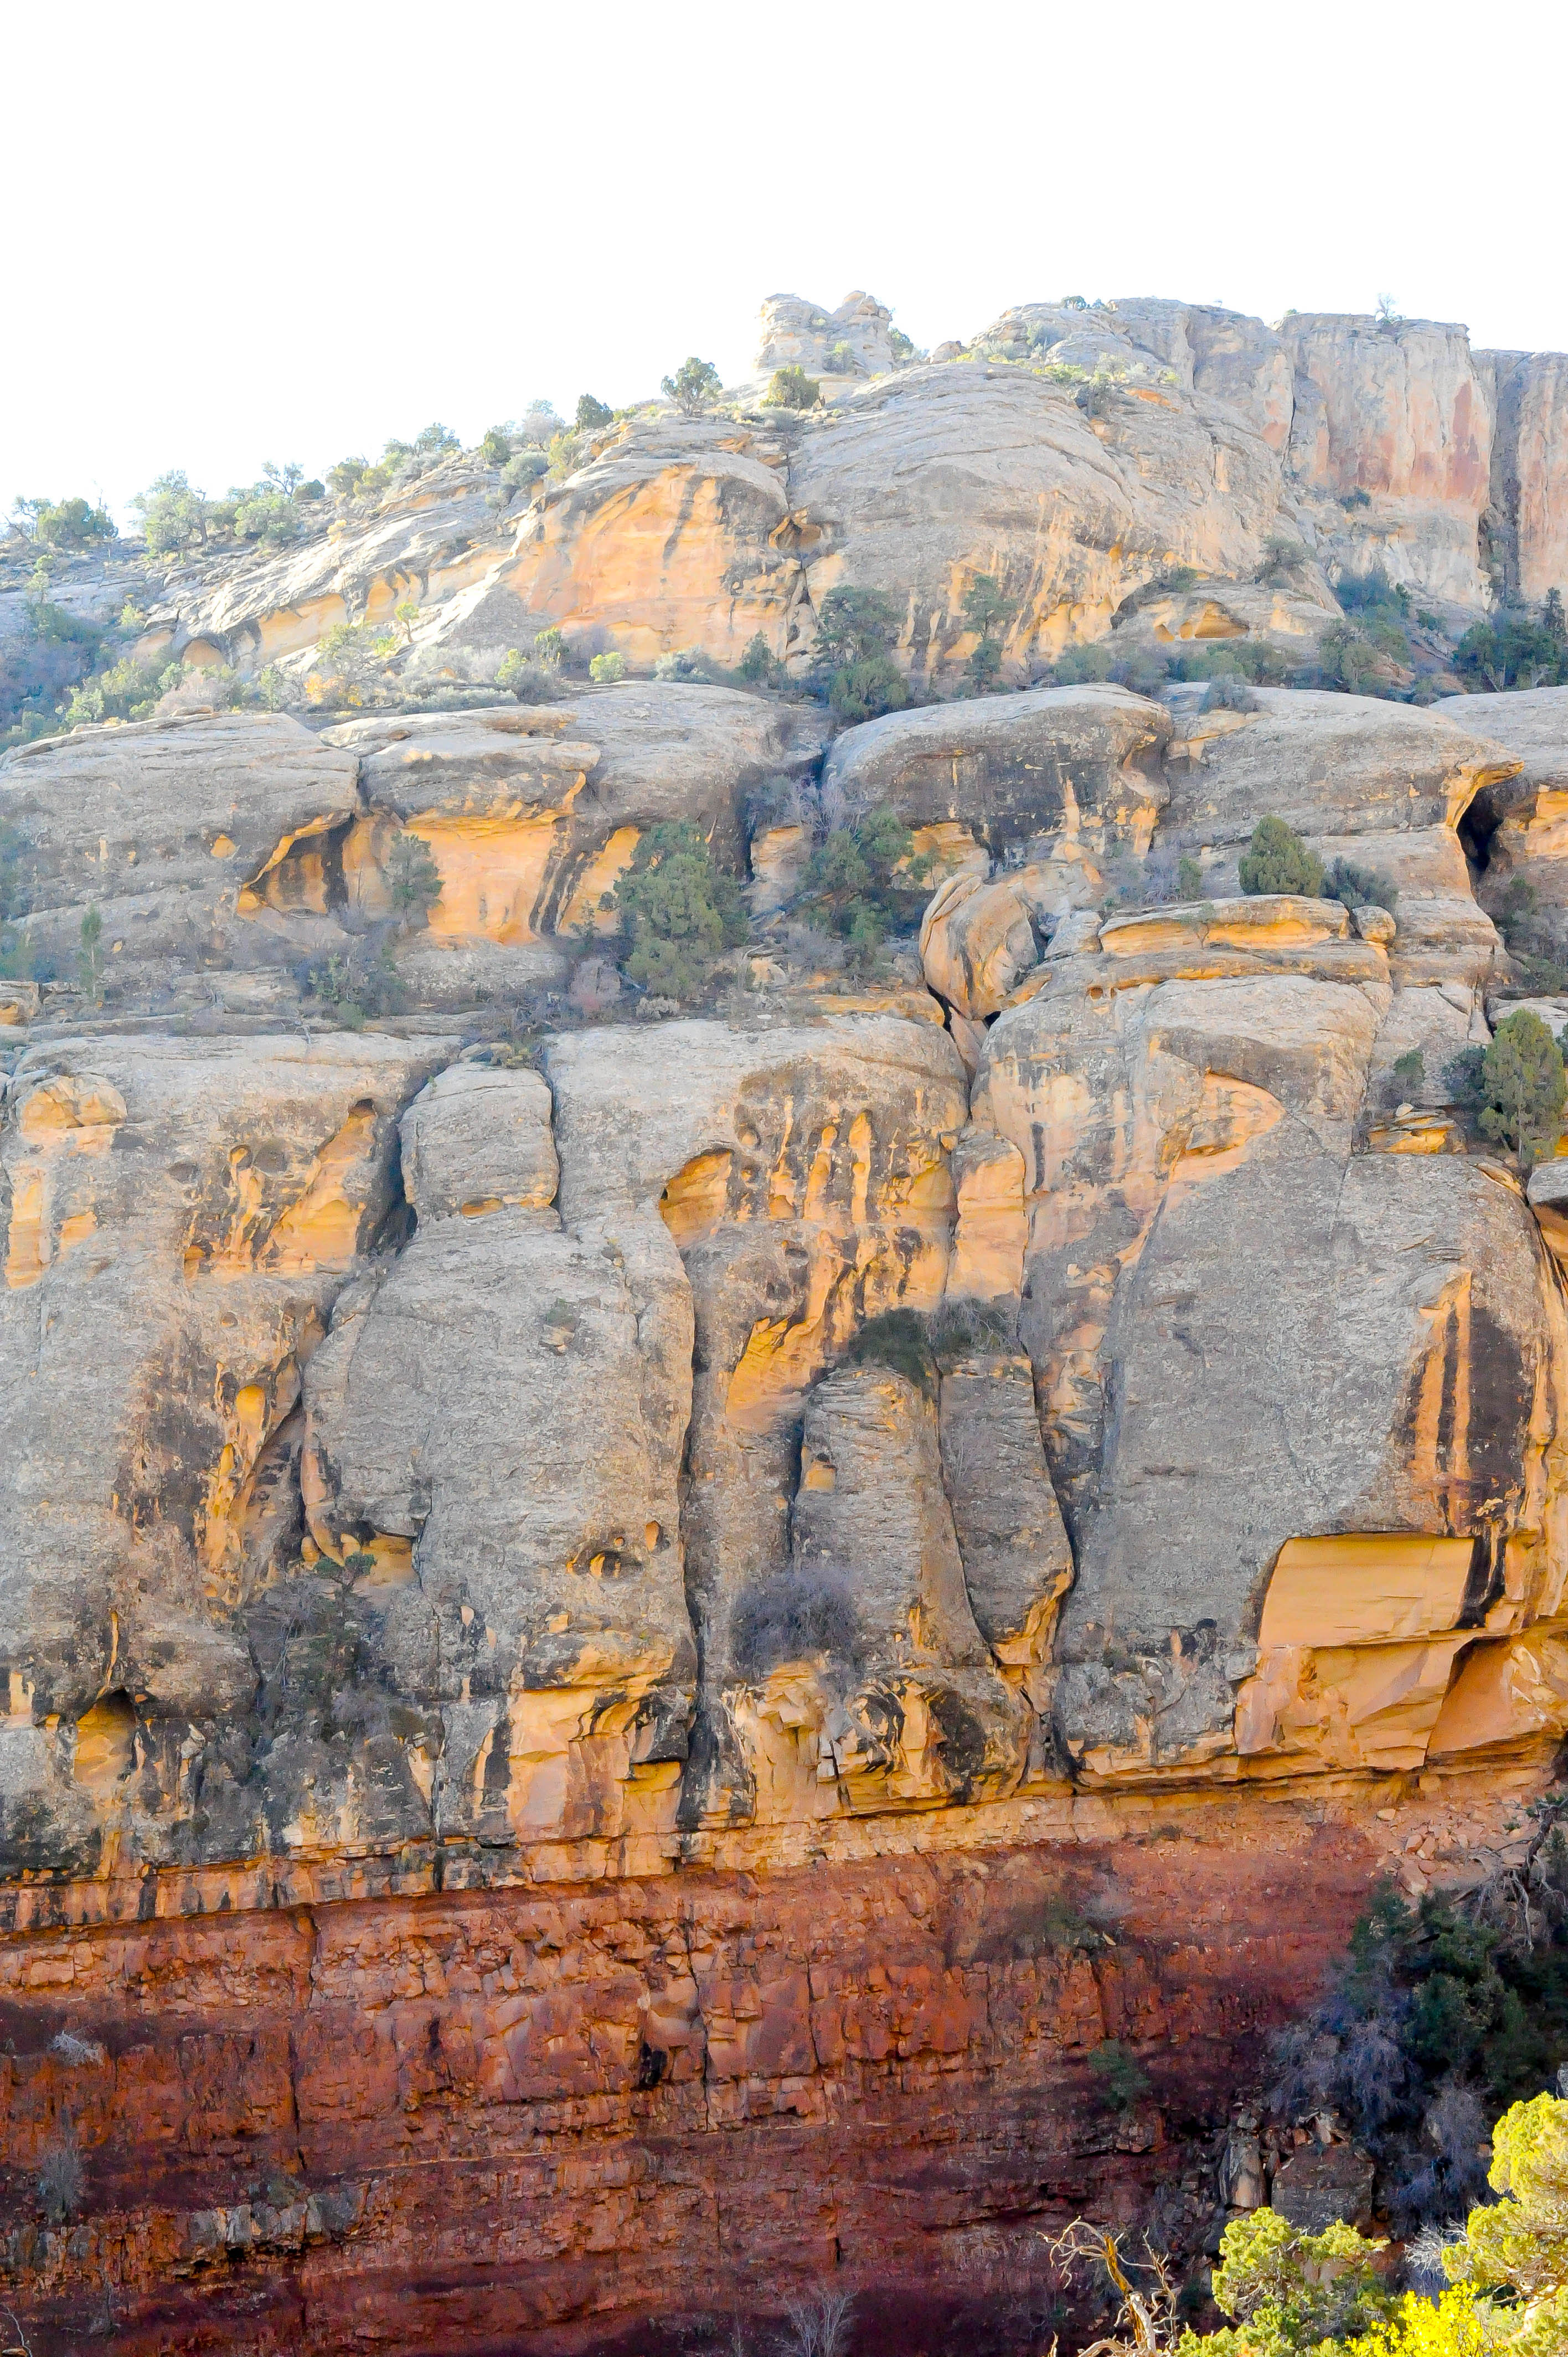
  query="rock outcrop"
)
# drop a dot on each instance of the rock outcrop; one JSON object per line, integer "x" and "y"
{"x": 612, "y": 1611}
{"x": 855, "y": 340}
{"x": 1355, "y": 443}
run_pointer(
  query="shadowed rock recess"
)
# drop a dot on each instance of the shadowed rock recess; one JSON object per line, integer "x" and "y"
{"x": 631, "y": 1629}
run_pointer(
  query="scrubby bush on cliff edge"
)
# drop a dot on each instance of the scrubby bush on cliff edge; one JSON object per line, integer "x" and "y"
{"x": 1524, "y": 1087}
{"x": 1276, "y": 860}
{"x": 678, "y": 913}
{"x": 1291, "y": 2293}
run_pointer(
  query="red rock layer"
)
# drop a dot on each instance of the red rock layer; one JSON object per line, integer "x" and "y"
{"x": 530, "y": 2117}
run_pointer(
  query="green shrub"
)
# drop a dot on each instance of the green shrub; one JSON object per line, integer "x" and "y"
{"x": 853, "y": 624}
{"x": 1372, "y": 593}
{"x": 564, "y": 456}
{"x": 678, "y": 913}
{"x": 72, "y": 524}
{"x": 1082, "y": 666}
{"x": 1228, "y": 693}
{"x": 495, "y": 448}
{"x": 854, "y": 630}
{"x": 1284, "y": 558}
{"x": 1516, "y": 649}
{"x": 841, "y": 361}
{"x": 1189, "y": 877}
{"x": 1410, "y": 1071}
{"x": 413, "y": 880}
{"x": 1438, "y": 2016}
{"x": 89, "y": 958}
{"x": 609, "y": 666}
{"x": 861, "y": 880}
{"x": 988, "y": 614}
{"x": 592, "y": 415}
{"x": 126, "y": 690}
{"x": 759, "y": 666}
{"x": 898, "y": 1338}
{"x": 1519, "y": 2246}
{"x": 1348, "y": 658}
{"x": 691, "y": 663}
{"x": 1097, "y": 398}
{"x": 524, "y": 468}
{"x": 1359, "y": 888}
{"x": 350, "y": 662}
{"x": 695, "y": 386}
{"x": 174, "y": 514}
{"x": 1124, "y": 2083}
{"x": 265, "y": 514}
{"x": 1257, "y": 660}
{"x": 901, "y": 345}
{"x": 864, "y": 691}
{"x": 792, "y": 388}
{"x": 1276, "y": 860}
{"x": 1524, "y": 1087}
{"x": 357, "y": 988}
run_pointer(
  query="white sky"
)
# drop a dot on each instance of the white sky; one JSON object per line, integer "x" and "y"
{"x": 289, "y": 231}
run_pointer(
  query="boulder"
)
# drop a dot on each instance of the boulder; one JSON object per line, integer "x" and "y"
{"x": 1382, "y": 785}
{"x": 924, "y": 1715}
{"x": 530, "y": 812}
{"x": 1170, "y": 1138}
{"x": 796, "y": 334}
{"x": 1017, "y": 1565}
{"x": 925, "y": 479}
{"x": 168, "y": 830}
{"x": 678, "y": 532}
{"x": 494, "y": 1433}
{"x": 476, "y": 1139}
{"x": 181, "y": 1217}
{"x": 804, "y": 1175}
{"x": 1322, "y": 2183}
{"x": 977, "y": 941}
{"x": 1068, "y": 776}
{"x": 1518, "y": 825}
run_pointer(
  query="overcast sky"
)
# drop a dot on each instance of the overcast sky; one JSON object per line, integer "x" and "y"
{"x": 237, "y": 234}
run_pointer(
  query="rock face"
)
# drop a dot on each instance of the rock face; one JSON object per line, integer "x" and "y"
{"x": 182, "y": 1217}
{"x": 1361, "y": 444}
{"x": 1529, "y": 511}
{"x": 797, "y": 334}
{"x": 610, "y": 1614}
{"x": 1398, "y": 411}
{"x": 174, "y": 832}
{"x": 1517, "y": 824}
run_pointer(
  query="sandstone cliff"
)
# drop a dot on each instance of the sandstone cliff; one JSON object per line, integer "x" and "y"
{"x": 632, "y": 1632}
{"x": 1083, "y": 457}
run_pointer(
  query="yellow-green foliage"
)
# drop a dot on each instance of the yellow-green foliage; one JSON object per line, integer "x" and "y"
{"x": 1291, "y": 2293}
{"x": 1454, "y": 2327}
{"x": 1295, "y": 2294}
{"x": 1519, "y": 2245}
